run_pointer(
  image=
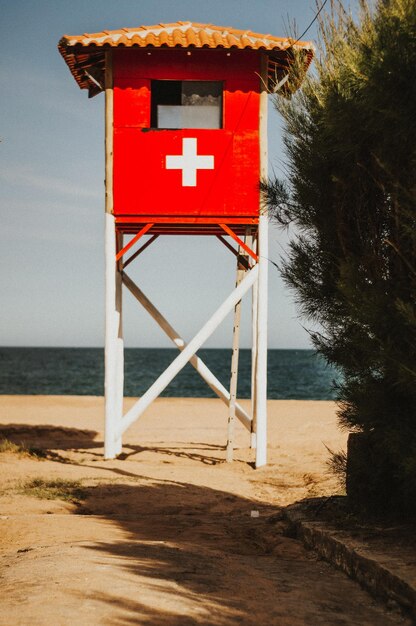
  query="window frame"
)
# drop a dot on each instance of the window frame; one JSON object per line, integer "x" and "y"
{"x": 154, "y": 104}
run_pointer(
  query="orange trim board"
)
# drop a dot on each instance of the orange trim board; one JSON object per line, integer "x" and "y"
{"x": 178, "y": 219}
{"x": 239, "y": 241}
{"x": 140, "y": 250}
{"x": 131, "y": 243}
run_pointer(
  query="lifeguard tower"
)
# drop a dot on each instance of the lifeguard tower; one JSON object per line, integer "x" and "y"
{"x": 186, "y": 148}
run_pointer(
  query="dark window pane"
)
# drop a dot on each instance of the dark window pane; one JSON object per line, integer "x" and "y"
{"x": 167, "y": 92}
{"x": 177, "y": 104}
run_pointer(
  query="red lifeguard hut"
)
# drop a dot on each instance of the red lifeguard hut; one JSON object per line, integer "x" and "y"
{"x": 186, "y": 148}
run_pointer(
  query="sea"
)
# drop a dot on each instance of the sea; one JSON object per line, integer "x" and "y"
{"x": 292, "y": 374}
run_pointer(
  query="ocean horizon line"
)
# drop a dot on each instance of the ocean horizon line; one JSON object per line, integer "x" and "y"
{"x": 293, "y": 373}
{"x": 14, "y": 347}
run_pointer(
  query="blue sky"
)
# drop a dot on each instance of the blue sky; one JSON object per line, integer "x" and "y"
{"x": 52, "y": 190}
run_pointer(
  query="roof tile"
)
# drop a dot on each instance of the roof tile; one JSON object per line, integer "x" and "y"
{"x": 178, "y": 34}
{"x": 159, "y": 33}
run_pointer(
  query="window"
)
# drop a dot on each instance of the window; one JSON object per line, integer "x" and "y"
{"x": 186, "y": 104}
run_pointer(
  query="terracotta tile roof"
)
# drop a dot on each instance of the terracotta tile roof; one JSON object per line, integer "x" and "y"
{"x": 85, "y": 52}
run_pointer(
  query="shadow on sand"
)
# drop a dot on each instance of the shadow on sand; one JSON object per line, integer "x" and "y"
{"x": 47, "y": 437}
{"x": 180, "y": 553}
{"x": 193, "y": 548}
{"x": 196, "y": 548}
{"x": 51, "y": 438}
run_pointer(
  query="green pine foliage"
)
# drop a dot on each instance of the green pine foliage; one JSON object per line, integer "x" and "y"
{"x": 350, "y": 137}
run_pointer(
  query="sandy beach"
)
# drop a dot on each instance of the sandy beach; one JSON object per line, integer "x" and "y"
{"x": 165, "y": 534}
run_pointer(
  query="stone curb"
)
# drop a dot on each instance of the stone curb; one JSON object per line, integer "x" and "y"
{"x": 355, "y": 559}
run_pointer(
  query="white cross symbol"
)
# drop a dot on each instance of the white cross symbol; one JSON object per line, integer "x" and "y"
{"x": 189, "y": 162}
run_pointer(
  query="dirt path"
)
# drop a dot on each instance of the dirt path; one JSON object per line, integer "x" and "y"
{"x": 165, "y": 536}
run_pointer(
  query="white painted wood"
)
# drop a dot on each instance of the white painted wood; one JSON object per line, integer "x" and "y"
{"x": 113, "y": 334}
{"x": 113, "y": 382}
{"x": 206, "y": 331}
{"x": 195, "y": 361}
{"x": 119, "y": 374}
{"x": 254, "y": 304}
{"x": 234, "y": 370}
{"x": 261, "y": 361}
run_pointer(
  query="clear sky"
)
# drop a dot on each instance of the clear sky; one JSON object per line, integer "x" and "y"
{"x": 52, "y": 190}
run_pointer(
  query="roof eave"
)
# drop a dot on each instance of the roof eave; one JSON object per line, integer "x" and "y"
{"x": 95, "y": 57}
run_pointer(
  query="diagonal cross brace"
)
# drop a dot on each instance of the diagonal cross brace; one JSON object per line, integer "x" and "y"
{"x": 211, "y": 380}
{"x": 182, "y": 359}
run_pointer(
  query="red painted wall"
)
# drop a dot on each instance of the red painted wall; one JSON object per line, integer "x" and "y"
{"x": 142, "y": 183}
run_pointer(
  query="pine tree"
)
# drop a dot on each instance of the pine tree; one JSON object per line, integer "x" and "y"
{"x": 350, "y": 138}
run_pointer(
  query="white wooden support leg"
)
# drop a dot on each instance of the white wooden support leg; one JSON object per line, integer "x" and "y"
{"x": 261, "y": 348}
{"x": 113, "y": 381}
{"x": 261, "y": 358}
{"x": 254, "y": 303}
{"x": 114, "y": 366}
{"x": 234, "y": 370}
{"x": 120, "y": 342}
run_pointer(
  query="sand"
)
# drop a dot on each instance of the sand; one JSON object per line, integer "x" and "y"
{"x": 168, "y": 534}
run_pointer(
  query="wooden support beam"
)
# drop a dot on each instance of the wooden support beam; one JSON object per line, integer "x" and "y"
{"x": 202, "y": 369}
{"x": 234, "y": 371}
{"x": 140, "y": 250}
{"x": 261, "y": 360}
{"x": 131, "y": 243}
{"x": 241, "y": 259}
{"x": 174, "y": 368}
{"x": 240, "y": 242}
{"x": 119, "y": 382}
{"x": 113, "y": 328}
{"x": 254, "y": 303}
